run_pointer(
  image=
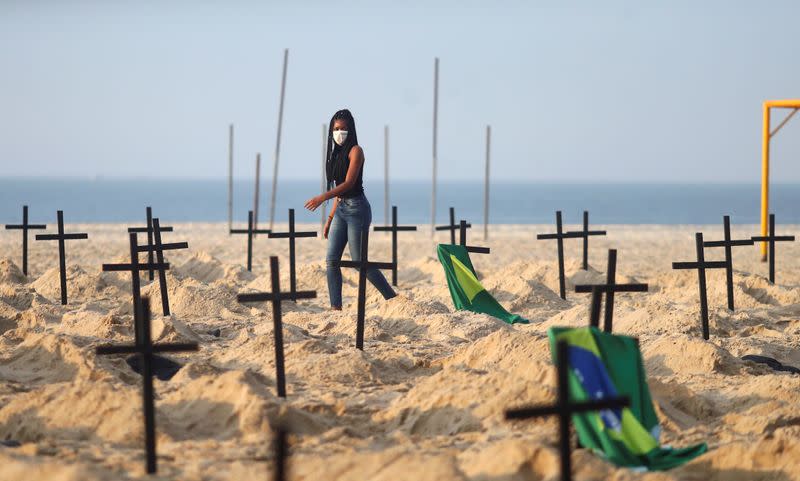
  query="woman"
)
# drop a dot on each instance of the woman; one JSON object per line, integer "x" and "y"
{"x": 351, "y": 213}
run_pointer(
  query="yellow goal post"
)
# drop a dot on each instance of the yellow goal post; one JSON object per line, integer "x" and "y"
{"x": 766, "y": 136}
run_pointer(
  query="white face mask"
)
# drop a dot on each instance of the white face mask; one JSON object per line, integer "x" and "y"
{"x": 339, "y": 136}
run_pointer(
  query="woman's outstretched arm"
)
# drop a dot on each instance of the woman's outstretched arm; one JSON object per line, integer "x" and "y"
{"x": 356, "y": 162}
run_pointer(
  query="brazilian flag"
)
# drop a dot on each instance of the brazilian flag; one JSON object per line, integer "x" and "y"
{"x": 465, "y": 289}
{"x": 606, "y": 365}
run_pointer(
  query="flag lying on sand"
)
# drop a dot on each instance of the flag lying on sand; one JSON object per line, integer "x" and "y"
{"x": 610, "y": 365}
{"x": 465, "y": 289}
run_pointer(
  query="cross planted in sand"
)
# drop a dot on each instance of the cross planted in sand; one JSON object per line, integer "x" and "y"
{"x": 158, "y": 247}
{"x": 250, "y": 231}
{"x": 25, "y": 227}
{"x": 727, "y": 243}
{"x": 772, "y": 239}
{"x": 145, "y": 348}
{"x": 61, "y": 237}
{"x": 564, "y": 409}
{"x": 559, "y": 236}
{"x": 452, "y": 226}
{"x": 462, "y": 240}
{"x": 150, "y": 230}
{"x": 276, "y": 297}
{"x": 134, "y": 267}
{"x": 362, "y": 265}
{"x": 292, "y": 235}
{"x": 585, "y": 233}
{"x": 701, "y": 265}
{"x": 609, "y": 288}
{"x": 394, "y": 229}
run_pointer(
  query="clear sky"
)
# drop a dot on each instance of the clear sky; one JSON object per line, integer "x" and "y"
{"x": 574, "y": 91}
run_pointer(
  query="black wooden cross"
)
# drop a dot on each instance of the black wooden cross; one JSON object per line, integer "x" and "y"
{"x": 61, "y": 237}
{"x": 564, "y": 409}
{"x": 362, "y": 265}
{"x": 149, "y": 230}
{"x": 609, "y": 288}
{"x": 158, "y": 247}
{"x": 559, "y": 236}
{"x": 701, "y": 265}
{"x": 281, "y": 447}
{"x": 146, "y": 350}
{"x": 25, "y": 227}
{"x": 292, "y": 235}
{"x": 394, "y": 229}
{"x": 276, "y": 297}
{"x": 727, "y": 243}
{"x": 452, "y": 226}
{"x": 462, "y": 240}
{"x": 250, "y": 231}
{"x": 772, "y": 239}
{"x": 585, "y": 233}
{"x": 134, "y": 267}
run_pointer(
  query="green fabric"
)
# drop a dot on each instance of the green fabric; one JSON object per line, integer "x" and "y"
{"x": 635, "y": 442}
{"x": 465, "y": 289}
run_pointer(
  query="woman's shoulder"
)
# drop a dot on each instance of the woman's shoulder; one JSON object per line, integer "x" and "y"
{"x": 356, "y": 150}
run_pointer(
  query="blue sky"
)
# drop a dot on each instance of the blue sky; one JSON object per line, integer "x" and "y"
{"x": 574, "y": 91}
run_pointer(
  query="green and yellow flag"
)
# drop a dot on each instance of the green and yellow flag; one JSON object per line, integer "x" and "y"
{"x": 465, "y": 289}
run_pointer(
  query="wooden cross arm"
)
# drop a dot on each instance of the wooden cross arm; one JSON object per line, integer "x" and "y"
{"x": 565, "y": 235}
{"x": 28, "y": 226}
{"x": 163, "y": 247}
{"x": 777, "y": 238}
{"x": 388, "y": 228}
{"x": 145, "y": 229}
{"x": 583, "y": 406}
{"x": 176, "y": 347}
{"x": 286, "y": 235}
{"x": 238, "y": 231}
{"x": 697, "y": 265}
{"x": 588, "y": 232}
{"x": 450, "y": 227}
{"x": 269, "y": 296}
{"x": 62, "y": 236}
{"x": 733, "y": 243}
{"x": 140, "y": 267}
{"x": 477, "y": 250}
{"x": 613, "y": 288}
{"x": 368, "y": 264}
{"x": 110, "y": 349}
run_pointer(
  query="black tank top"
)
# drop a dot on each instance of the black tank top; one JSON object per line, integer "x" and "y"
{"x": 358, "y": 187}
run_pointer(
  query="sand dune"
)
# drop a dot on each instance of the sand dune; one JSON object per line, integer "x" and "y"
{"x": 424, "y": 400}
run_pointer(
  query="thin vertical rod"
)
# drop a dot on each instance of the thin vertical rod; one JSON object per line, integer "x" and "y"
{"x": 701, "y": 278}
{"x": 323, "y": 178}
{"x": 145, "y": 347}
{"x": 250, "y": 241}
{"x": 162, "y": 274}
{"x": 772, "y": 248}
{"x": 486, "y": 185}
{"x": 278, "y": 141}
{"x": 435, "y": 127}
{"x": 764, "y": 177}
{"x": 611, "y": 278}
{"x": 562, "y": 288}
{"x": 258, "y": 185}
{"x": 362, "y": 289}
{"x": 292, "y": 274}
{"x": 728, "y": 260}
{"x": 25, "y": 239}
{"x": 586, "y": 240}
{"x": 386, "y": 174}
{"x": 563, "y": 407}
{"x": 594, "y": 310}
{"x": 394, "y": 245}
{"x": 230, "y": 178}
{"x": 149, "y": 242}
{"x": 62, "y": 258}
{"x": 452, "y": 225}
{"x": 277, "y": 326}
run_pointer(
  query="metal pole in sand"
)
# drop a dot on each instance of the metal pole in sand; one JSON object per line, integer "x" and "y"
{"x": 486, "y": 185}
{"x": 230, "y": 178}
{"x": 435, "y": 122}
{"x": 278, "y": 141}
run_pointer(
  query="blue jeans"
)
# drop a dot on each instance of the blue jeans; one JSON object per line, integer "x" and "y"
{"x": 351, "y": 218}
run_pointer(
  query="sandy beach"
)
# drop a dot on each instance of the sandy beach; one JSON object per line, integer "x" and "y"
{"x": 425, "y": 399}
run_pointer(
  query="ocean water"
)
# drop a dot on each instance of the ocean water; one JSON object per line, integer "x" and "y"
{"x": 105, "y": 200}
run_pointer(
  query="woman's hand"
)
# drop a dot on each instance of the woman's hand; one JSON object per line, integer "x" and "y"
{"x": 327, "y": 227}
{"x": 314, "y": 202}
